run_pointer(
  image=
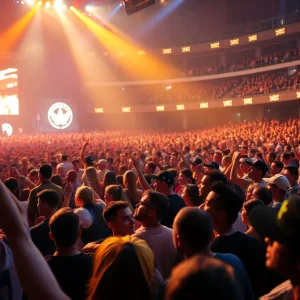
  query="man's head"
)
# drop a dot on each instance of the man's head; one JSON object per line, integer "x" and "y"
{"x": 203, "y": 276}
{"x": 75, "y": 164}
{"x": 223, "y": 204}
{"x": 64, "y": 228}
{"x": 278, "y": 185}
{"x": 45, "y": 173}
{"x": 286, "y": 158}
{"x": 152, "y": 208}
{"x": 276, "y": 167}
{"x": 195, "y": 162}
{"x": 150, "y": 168}
{"x": 89, "y": 161}
{"x": 212, "y": 166}
{"x": 192, "y": 231}
{"x": 71, "y": 176}
{"x": 281, "y": 230}
{"x": 64, "y": 157}
{"x": 208, "y": 180}
{"x": 164, "y": 181}
{"x": 271, "y": 157}
{"x": 291, "y": 173}
{"x": 119, "y": 218}
{"x": 102, "y": 164}
{"x": 257, "y": 170}
{"x": 217, "y": 157}
{"x": 48, "y": 201}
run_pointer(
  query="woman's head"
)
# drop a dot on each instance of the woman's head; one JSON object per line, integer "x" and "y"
{"x": 109, "y": 178}
{"x": 191, "y": 196}
{"x": 247, "y": 207}
{"x": 84, "y": 195}
{"x": 114, "y": 192}
{"x": 91, "y": 174}
{"x": 185, "y": 176}
{"x": 249, "y": 192}
{"x": 129, "y": 179}
{"x": 123, "y": 262}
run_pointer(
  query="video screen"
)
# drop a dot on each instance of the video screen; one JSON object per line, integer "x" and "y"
{"x": 9, "y": 101}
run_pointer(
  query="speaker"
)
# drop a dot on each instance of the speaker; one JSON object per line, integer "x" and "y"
{"x": 133, "y": 6}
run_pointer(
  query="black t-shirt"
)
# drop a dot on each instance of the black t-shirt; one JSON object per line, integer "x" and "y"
{"x": 40, "y": 237}
{"x": 175, "y": 204}
{"x": 250, "y": 252}
{"x": 72, "y": 273}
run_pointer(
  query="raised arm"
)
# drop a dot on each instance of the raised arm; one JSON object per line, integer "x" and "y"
{"x": 82, "y": 153}
{"x": 145, "y": 185}
{"x": 16, "y": 174}
{"x": 234, "y": 172}
{"x": 36, "y": 277}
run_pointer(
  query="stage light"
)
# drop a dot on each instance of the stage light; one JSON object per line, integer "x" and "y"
{"x": 88, "y": 8}
{"x": 40, "y": 3}
{"x": 47, "y": 5}
{"x": 30, "y": 2}
{"x": 22, "y": 2}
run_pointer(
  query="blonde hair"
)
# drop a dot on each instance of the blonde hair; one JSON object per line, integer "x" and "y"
{"x": 86, "y": 194}
{"x": 91, "y": 174}
{"x": 117, "y": 193}
{"x": 129, "y": 179}
{"x": 109, "y": 255}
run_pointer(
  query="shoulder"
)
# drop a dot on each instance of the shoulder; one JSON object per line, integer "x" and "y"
{"x": 281, "y": 292}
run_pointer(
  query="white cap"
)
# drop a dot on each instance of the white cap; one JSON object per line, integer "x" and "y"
{"x": 278, "y": 180}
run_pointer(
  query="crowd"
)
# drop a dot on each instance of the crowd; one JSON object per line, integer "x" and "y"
{"x": 210, "y": 214}
{"x": 256, "y": 84}
{"x": 245, "y": 64}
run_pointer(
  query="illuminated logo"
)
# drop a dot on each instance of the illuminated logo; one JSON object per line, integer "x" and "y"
{"x": 126, "y": 109}
{"x": 204, "y": 105}
{"x": 298, "y": 95}
{"x": 252, "y": 38}
{"x": 7, "y": 129}
{"x": 214, "y": 45}
{"x": 167, "y": 51}
{"x": 227, "y": 102}
{"x": 279, "y": 31}
{"x": 180, "y": 107}
{"x": 274, "y": 97}
{"x": 234, "y": 42}
{"x": 60, "y": 115}
{"x": 247, "y": 101}
{"x": 99, "y": 110}
{"x": 186, "y": 49}
{"x": 160, "y": 108}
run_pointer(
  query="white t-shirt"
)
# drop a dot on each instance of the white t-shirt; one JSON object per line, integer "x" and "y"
{"x": 63, "y": 168}
{"x": 101, "y": 174}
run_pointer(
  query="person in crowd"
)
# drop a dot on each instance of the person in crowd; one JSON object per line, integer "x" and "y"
{"x": 281, "y": 231}
{"x": 45, "y": 173}
{"x": 92, "y": 180}
{"x": 123, "y": 268}
{"x": 276, "y": 167}
{"x": 292, "y": 174}
{"x": 101, "y": 169}
{"x": 13, "y": 185}
{"x": 287, "y": 159}
{"x": 194, "y": 163}
{"x": 57, "y": 179}
{"x": 223, "y": 204}
{"x": 115, "y": 192}
{"x": 119, "y": 218}
{"x": 278, "y": 185}
{"x": 78, "y": 170}
{"x": 130, "y": 188}
{"x": 247, "y": 207}
{"x": 34, "y": 176}
{"x": 190, "y": 195}
{"x": 71, "y": 177}
{"x": 150, "y": 211}
{"x": 64, "y": 166}
{"x": 212, "y": 166}
{"x": 109, "y": 179}
{"x": 263, "y": 194}
{"x": 185, "y": 177}
{"x": 48, "y": 201}
{"x": 150, "y": 168}
{"x": 200, "y": 275}
{"x": 193, "y": 231}
{"x": 249, "y": 192}
{"x": 89, "y": 212}
{"x": 71, "y": 268}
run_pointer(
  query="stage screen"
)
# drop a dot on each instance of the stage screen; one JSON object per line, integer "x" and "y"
{"x": 9, "y": 101}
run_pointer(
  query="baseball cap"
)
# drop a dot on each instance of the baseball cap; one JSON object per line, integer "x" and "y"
{"x": 258, "y": 164}
{"x": 212, "y": 165}
{"x": 165, "y": 176}
{"x": 196, "y": 161}
{"x": 282, "y": 226}
{"x": 89, "y": 160}
{"x": 278, "y": 180}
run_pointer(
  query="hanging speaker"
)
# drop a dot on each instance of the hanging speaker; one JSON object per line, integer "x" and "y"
{"x": 133, "y": 6}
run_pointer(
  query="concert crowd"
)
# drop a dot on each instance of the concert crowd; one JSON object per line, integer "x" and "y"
{"x": 212, "y": 214}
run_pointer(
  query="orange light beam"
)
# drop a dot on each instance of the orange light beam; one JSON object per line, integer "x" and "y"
{"x": 10, "y": 37}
